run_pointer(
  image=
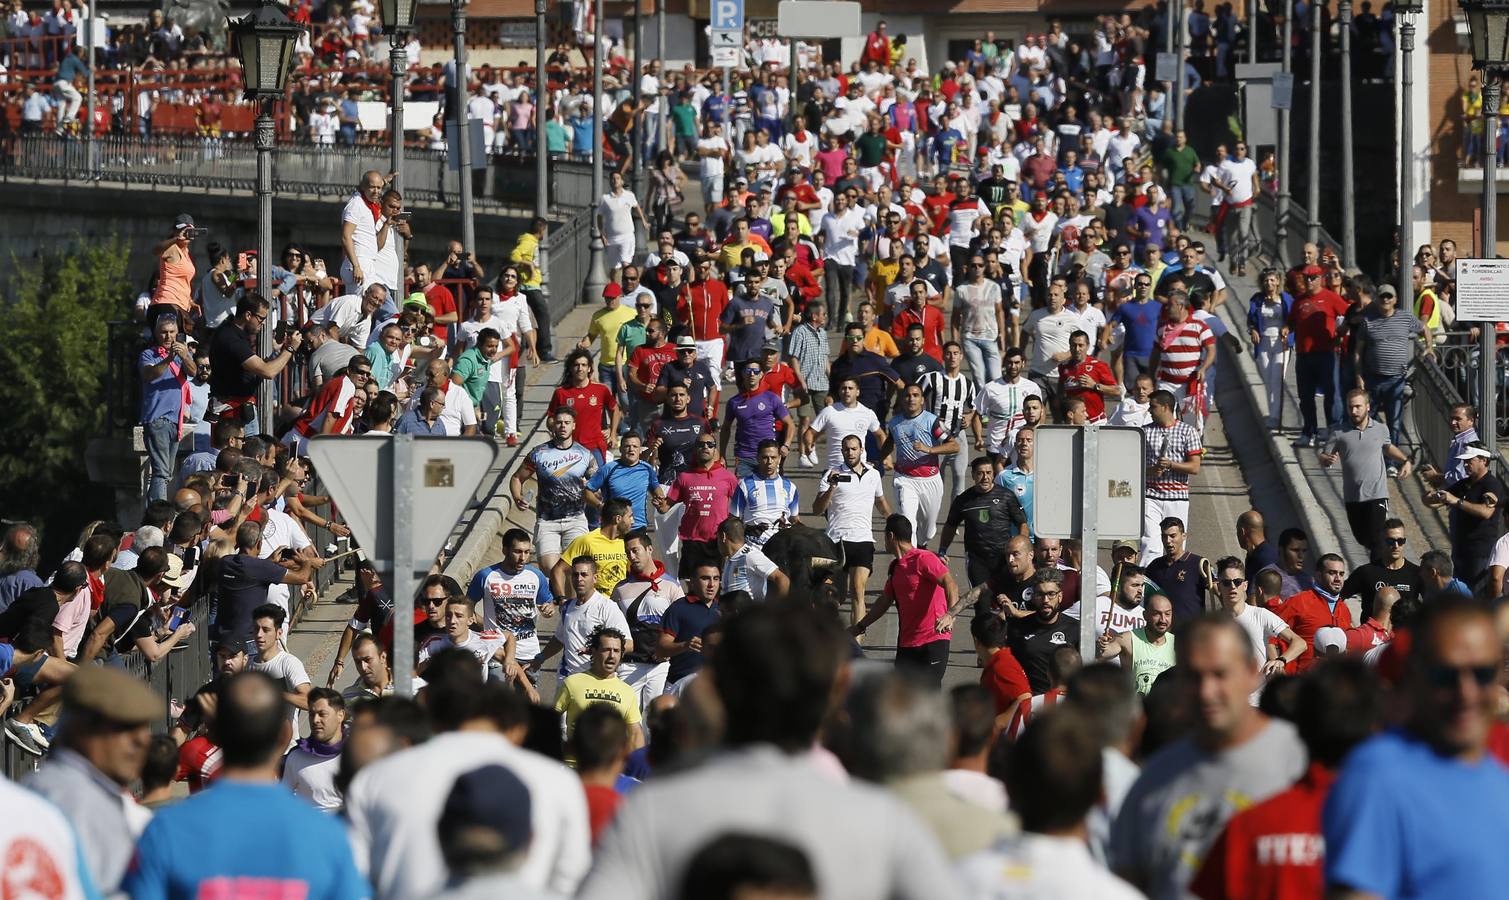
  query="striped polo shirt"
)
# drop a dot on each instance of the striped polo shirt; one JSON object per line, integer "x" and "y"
{"x": 1183, "y": 345}
{"x": 1389, "y": 343}
{"x": 1178, "y": 442}
{"x": 948, "y": 397}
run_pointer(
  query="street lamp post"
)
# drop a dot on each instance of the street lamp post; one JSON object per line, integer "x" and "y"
{"x": 1312, "y": 187}
{"x": 1486, "y": 24}
{"x": 264, "y": 41}
{"x": 541, "y": 103}
{"x": 1281, "y": 213}
{"x": 1181, "y": 51}
{"x": 463, "y": 129}
{"x": 1348, "y": 207}
{"x": 1404, "y": 14}
{"x": 397, "y": 21}
{"x": 597, "y": 277}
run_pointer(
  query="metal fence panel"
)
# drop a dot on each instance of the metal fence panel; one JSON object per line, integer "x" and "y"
{"x": 566, "y": 255}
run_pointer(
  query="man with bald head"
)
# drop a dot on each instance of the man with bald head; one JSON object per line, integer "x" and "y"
{"x": 1008, "y": 590}
{"x": 1252, "y": 536}
{"x": 1439, "y": 831}
{"x": 459, "y": 415}
{"x": 1234, "y": 757}
{"x": 1379, "y": 628}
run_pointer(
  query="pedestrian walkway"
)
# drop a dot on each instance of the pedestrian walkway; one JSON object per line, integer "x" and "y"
{"x": 1315, "y": 491}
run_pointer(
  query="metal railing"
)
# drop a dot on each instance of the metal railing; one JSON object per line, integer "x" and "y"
{"x": 565, "y": 256}
{"x": 219, "y": 164}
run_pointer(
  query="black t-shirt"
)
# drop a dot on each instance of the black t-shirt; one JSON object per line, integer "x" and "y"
{"x": 230, "y": 347}
{"x": 40, "y": 604}
{"x": 910, "y": 367}
{"x": 934, "y": 274}
{"x": 1259, "y": 558}
{"x": 990, "y": 519}
{"x": 1034, "y": 641}
{"x": 243, "y": 588}
{"x": 1001, "y": 581}
{"x": 132, "y": 623}
{"x": 1472, "y": 535}
{"x": 698, "y": 379}
{"x": 676, "y": 438}
{"x": 693, "y": 244}
{"x": 1184, "y": 582}
{"x": 1366, "y": 581}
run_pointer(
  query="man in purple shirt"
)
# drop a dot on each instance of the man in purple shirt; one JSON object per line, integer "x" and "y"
{"x": 751, "y": 416}
{"x": 1151, "y": 223}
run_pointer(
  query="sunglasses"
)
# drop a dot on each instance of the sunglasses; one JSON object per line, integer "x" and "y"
{"x": 1394, "y": 542}
{"x": 643, "y": 306}
{"x": 706, "y": 445}
{"x": 434, "y": 601}
{"x": 1448, "y": 677}
{"x": 1231, "y": 582}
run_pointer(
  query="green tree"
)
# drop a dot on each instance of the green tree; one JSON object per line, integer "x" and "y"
{"x": 54, "y": 357}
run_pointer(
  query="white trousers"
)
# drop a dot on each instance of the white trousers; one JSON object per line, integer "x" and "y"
{"x": 920, "y": 499}
{"x": 510, "y": 399}
{"x": 1185, "y": 407}
{"x": 647, "y": 679}
{"x": 712, "y": 351}
{"x": 1154, "y": 511}
{"x": 1271, "y": 365}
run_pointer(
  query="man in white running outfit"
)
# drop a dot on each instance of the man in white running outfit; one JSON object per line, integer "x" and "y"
{"x": 917, "y": 439}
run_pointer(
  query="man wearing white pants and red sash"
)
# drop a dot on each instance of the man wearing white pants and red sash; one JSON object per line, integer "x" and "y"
{"x": 917, "y": 438}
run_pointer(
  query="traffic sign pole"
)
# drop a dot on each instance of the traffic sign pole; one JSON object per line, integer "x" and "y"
{"x": 1089, "y": 540}
{"x": 402, "y": 565}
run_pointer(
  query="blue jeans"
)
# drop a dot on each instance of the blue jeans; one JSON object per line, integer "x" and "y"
{"x": 162, "y": 449}
{"x": 1132, "y": 366}
{"x": 1316, "y": 372}
{"x": 1183, "y": 196}
{"x": 1388, "y": 400}
{"x": 984, "y": 357}
{"x": 608, "y": 375}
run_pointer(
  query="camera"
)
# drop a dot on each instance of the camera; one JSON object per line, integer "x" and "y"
{"x": 193, "y": 233}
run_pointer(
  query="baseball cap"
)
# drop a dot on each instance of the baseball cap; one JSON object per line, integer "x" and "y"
{"x": 1126, "y": 545}
{"x": 1387, "y": 290}
{"x": 1475, "y": 450}
{"x": 613, "y": 289}
{"x": 113, "y": 695}
{"x": 1330, "y": 638}
{"x": 1307, "y": 271}
{"x": 686, "y": 342}
{"x": 490, "y": 799}
{"x": 183, "y": 221}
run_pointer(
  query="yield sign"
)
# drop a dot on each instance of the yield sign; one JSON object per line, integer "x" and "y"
{"x": 443, "y": 474}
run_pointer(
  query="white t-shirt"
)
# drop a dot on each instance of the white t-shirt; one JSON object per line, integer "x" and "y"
{"x": 852, "y": 504}
{"x": 313, "y": 778}
{"x": 1040, "y": 231}
{"x": 1237, "y": 176}
{"x": 841, "y": 236}
{"x": 1213, "y": 177}
{"x": 1120, "y": 147}
{"x": 483, "y": 646}
{"x": 577, "y": 621}
{"x": 800, "y": 152}
{"x": 1050, "y": 335}
{"x": 346, "y": 312}
{"x": 280, "y": 530}
{"x": 1000, "y": 404}
{"x": 35, "y": 831}
{"x": 618, "y": 216}
{"x": 1260, "y": 625}
{"x": 288, "y": 670}
{"x": 1500, "y": 555}
{"x": 512, "y": 313}
{"x": 837, "y": 422}
{"x": 458, "y": 412}
{"x": 363, "y": 237}
{"x": 712, "y": 166}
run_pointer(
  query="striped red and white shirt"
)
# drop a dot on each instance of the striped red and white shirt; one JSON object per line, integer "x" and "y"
{"x": 1183, "y": 345}
{"x": 1025, "y": 712}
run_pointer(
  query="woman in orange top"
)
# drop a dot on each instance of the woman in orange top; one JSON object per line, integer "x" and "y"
{"x": 174, "y": 292}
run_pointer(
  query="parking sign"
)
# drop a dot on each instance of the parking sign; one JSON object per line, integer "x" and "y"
{"x": 728, "y": 15}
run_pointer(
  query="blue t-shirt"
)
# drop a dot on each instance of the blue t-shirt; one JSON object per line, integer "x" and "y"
{"x": 581, "y": 134}
{"x": 631, "y": 483}
{"x": 748, "y": 318}
{"x": 905, "y": 434}
{"x": 715, "y": 108}
{"x": 1154, "y": 223}
{"x": 236, "y": 839}
{"x": 511, "y": 601}
{"x": 162, "y": 397}
{"x": 1141, "y": 323}
{"x": 1435, "y": 829}
{"x": 562, "y": 474}
{"x": 684, "y": 620}
{"x": 1019, "y": 483}
{"x": 754, "y": 420}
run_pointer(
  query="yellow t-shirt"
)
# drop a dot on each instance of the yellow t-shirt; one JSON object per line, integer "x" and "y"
{"x": 877, "y": 341}
{"x": 604, "y": 327}
{"x": 583, "y": 689}
{"x": 883, "y": 274}
{"x": 612, "y": 559}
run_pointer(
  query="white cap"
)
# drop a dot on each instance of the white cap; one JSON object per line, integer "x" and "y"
{"x": 1330, "y": 638}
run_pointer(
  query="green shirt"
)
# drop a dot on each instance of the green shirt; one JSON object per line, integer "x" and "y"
{"x": 871, "y": 147}
{"x": 1182, "y": 165}
{"x": 557, "y": 139}
{"x": 473, "y": 369}
{"x": 685, "y": 118}
{"x": 631, "y": 337}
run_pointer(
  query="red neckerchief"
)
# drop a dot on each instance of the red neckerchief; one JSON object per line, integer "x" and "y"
{"x": 654, "y": 578}
{"x": 376, "y": 209}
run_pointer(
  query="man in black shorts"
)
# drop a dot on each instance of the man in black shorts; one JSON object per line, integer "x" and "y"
{"x": 849, "y": 493}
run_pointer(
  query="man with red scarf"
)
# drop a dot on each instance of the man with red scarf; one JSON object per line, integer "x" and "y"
{"x": 332, "y": 408}
{"x": 644, "y": 595}
{"x": 165, "y": 370}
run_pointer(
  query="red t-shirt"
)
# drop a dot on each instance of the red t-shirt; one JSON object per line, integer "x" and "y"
{"x": 602, "y": 806}
{"x": 647, "y": 362}
{"x": 1307, "y": 613}
{"x": 590, "y": 404}
{"x": 442, "y": 302}
{"x": 1005, "y": 679}
{"x": 931, "y": 320}
{"x": 198, "y": 763}
{"x": 1312, "y": 320}
{"x": 701, "y": 305}
{"x": 1367, "y": 636}
{"x": 778, "y": 380}
{"x": 937, "y": 208}
{"x": 1274, "y": 849}
{"x": 1099, "y": 372}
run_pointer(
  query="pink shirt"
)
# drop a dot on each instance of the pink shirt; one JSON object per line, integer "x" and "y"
{"x": 915, "y": 583}
{"x": 832, "y": 163}
{"x": 71, "y": 619}
{"x": 706, "y": 495}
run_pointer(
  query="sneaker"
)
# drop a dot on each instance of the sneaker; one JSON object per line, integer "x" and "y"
{"x": 27, "y": 736}
{"x": 1305, "y": 440}
{"x": 806, "y": 461}
{"x": 513, "y": 440}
